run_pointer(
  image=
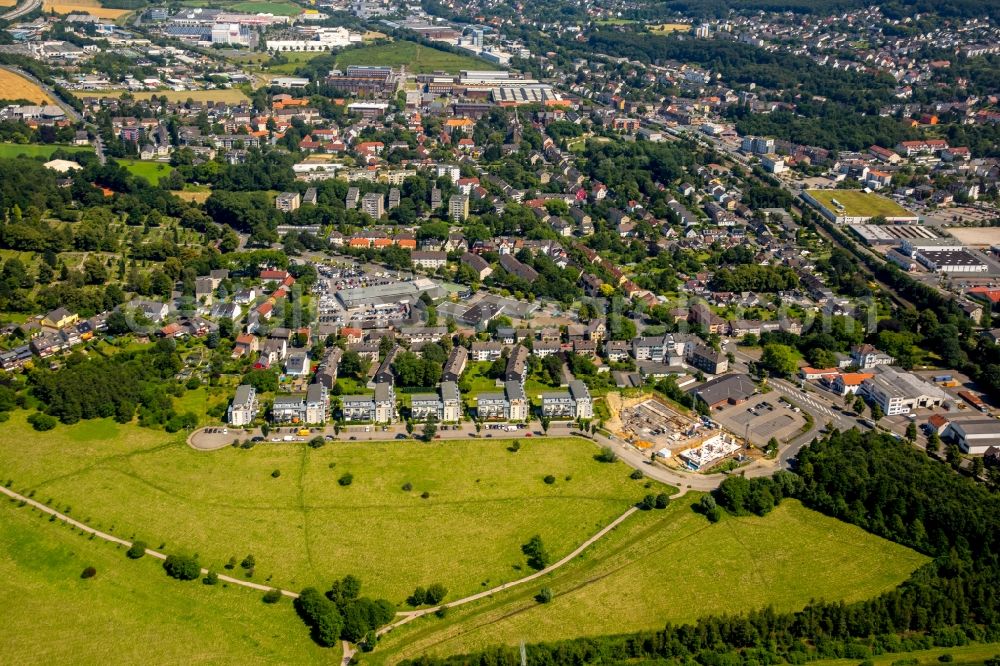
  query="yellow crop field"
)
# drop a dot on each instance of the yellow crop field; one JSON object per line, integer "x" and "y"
{"x": 14, "y": 86}
{"x": 228, "y": 95}
{"x": 92, "y": 7}
{"x": 670, "y": 27}
{"x": 8, "y": 3}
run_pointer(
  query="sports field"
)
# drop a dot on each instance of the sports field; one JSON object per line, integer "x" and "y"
{"x": 303, "y": 527}
{"x": 858, "y": 203}
{"x": 8, "y": 150}
{"x": 228, "y": 95}
{"x": 14, "y": 86}
{"x": 673, "y": 565}
{"x": 151, "y": 171}
{"x": 130, "y": 612}
{"x": 417, "y": 58}
{"x": 265, "y": 7}
{"x": 92, "y": 7}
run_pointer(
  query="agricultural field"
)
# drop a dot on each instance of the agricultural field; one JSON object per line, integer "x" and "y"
{"x": 151, "y": 171}
{"x": 857, "y": 203}
{"x": 417, "y": 58}
{"x": 670, "y": 27}
{"x": 92, "y": 7}
{"x": 15, "y": 86}
{"x": 228, "y": 95}
{"x": 8, "y": 150}
{"x": 304, "y": 528}
{"x": 673, "y": 565}
{"x": 130, "y": 612}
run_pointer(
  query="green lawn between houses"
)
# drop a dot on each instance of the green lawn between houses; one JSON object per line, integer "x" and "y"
{"x": 673, "y": 565}
{"x": 130, "y": 612}
{"x": 303, "y": 527}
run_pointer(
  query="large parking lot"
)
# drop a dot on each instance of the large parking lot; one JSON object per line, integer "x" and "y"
{"x": 761, "y": 418}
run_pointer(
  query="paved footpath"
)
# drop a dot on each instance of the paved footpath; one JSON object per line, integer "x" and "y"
{"x": 113, "y": 539}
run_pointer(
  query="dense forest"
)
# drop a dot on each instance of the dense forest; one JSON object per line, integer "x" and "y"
{"x": 877, "y": 483}
{"x": 114, "y": 387}
{"x": 828, "y": 125}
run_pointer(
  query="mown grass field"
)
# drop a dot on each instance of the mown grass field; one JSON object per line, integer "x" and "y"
{"x": 130, "y": 612}
{"x": 151, "y": 171}
{"x": 8, "y": 150}
{"x": 673, "y": 565}
{"x": 303, "y": 527}
{"x": 200, "y": 400}
{"x": 858, "y": 203}
{"x": 15, "y": 86}
{"x": 418, "y": 59}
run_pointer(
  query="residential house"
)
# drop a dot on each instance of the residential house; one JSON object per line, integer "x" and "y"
{"x": 244, "y": 407}
{"x": 455, "y": 365}
{"x": 709, "y": 360}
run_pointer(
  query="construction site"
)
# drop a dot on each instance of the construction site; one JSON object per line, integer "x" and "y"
{"x": 677, "y": 439}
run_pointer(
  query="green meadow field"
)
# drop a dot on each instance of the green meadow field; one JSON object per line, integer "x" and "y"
{"x": 303, "y": 528}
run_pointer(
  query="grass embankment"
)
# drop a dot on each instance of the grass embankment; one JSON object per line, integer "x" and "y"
{"x": 965, "y": 654}
{"x": 673, "y": 565}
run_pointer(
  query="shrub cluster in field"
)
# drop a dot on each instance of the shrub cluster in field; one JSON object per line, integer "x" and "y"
{"x": 342, "y": 614}
{"x": 431, "y": 596}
